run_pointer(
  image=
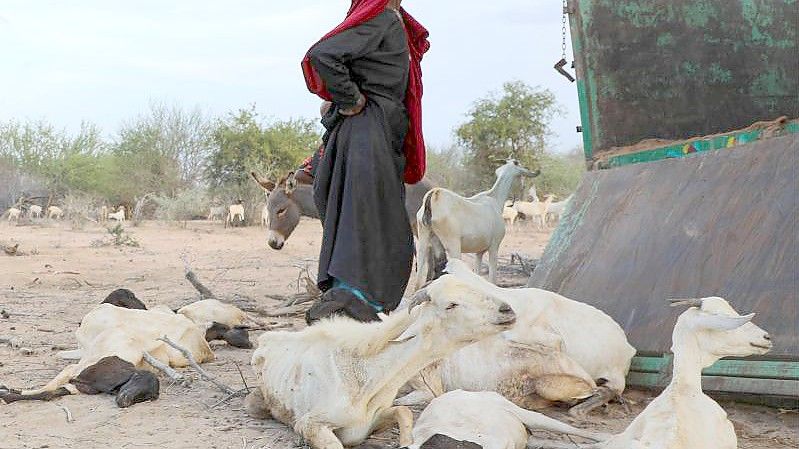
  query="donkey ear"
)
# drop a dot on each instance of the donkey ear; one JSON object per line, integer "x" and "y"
{"x": 265, "y": 184}
{"x": 291, "y": 183}
{"x": 722, "y": 322}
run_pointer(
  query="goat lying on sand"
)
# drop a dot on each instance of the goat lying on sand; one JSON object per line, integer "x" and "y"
{"x": 220, "y": 321}
{"x": 482, "y": 420}
{"x": 334, "y": 382}
{"x": 559, "y": 350}
{"x": 467, "y": 225}
{"x": 116, "y": 343}
{"x": 682, "y": 416}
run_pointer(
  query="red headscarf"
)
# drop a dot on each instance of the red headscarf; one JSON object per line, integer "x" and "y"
{"x": 363, "y": 11}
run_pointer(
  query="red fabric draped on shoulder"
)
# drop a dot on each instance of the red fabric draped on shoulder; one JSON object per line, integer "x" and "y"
{"x": 363, "y": 11}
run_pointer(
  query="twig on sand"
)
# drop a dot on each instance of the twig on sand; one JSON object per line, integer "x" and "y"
{"x": 205, "y": 293}
{"x": 203, "y": 373}
{"x": 67, "y": 412}
{"x": 166, "y": 369}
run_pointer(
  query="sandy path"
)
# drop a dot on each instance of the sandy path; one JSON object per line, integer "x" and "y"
{"x": 68, "y": 276}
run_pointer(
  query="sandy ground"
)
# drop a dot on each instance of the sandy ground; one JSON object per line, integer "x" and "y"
{"x": 64, "y": 275}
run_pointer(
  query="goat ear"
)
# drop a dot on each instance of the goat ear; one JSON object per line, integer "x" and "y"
{"x": 722, "y": 322}
{"x": 265, "y": 184}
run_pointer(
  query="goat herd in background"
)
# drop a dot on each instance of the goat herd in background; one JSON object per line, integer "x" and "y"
{"x": 480, "y": 357}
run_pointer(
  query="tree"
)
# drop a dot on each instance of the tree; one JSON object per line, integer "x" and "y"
{"x": 244, "y": 144}
{"x": 515, "y": 124}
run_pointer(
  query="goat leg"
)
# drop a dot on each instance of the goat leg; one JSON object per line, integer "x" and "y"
{"x": 602, "y": 396}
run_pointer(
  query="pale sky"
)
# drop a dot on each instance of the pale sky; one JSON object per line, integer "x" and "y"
{"x": 106, "y": 61}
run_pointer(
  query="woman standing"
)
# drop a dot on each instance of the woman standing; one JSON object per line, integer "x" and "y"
{"x": 369, "y": 67}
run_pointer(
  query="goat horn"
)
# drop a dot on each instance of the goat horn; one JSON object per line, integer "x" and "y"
{"x": 689, "y": 302}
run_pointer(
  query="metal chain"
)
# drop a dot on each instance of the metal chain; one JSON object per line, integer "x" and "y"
{"x": 565, "y": 11}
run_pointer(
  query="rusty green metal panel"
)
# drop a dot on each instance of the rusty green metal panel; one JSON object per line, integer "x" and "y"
{"x": 719, "y": 223}
{"x": 683, "y": 68}
{"x": 677, "y": 150}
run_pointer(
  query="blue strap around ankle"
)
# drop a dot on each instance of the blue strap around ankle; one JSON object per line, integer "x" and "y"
{"x": 338, "y": 283}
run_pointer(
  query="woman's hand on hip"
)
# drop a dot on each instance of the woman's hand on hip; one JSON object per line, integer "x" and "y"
{"x": 355, "y": 110}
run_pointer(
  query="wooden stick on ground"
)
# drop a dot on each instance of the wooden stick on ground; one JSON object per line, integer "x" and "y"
{"x": 166, "y": 369}
{"x": 203, "y": 373}
{"x": 205, "y": 293}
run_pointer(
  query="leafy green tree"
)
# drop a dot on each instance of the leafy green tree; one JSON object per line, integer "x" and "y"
{"x": 243, "y": 144}
{"x": 512, "y": 124}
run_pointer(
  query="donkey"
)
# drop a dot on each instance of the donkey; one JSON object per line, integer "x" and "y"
{"x": 289, "y": 199}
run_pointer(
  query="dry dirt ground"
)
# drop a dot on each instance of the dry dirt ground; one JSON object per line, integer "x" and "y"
{"x": 63, "y": 274}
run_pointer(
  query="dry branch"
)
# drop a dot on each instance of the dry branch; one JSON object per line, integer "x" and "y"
{"x": 166, "y": 369}
{"x": 67, "y": 412}
{"x": 192, "y": 278}
{"x": 203, "y": 373}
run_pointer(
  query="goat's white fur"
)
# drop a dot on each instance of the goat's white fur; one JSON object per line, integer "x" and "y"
{"x": 556, "y": 209}
{"x": 683, "y": 417}
{"x": 119, "y": 215}
{"x": 487, "y": 419}
{"x": 55, "y": 213}
{"x": 35, "y": 211}
{"x": 557, "y": 349}
{"x": 467, "y": 225}
{"x": 265, "y": 216}
{"x": 234, "y": 211}
{"x": 535, "y": 211}
{"x": 14, "y": 214}
{"x": 334, "y": 382}
{"x": 109, "y": 330}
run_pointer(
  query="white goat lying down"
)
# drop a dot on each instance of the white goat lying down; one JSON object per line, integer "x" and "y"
{"x": 334, "y": 382}
{"x": 558, "y": 350}
{"x": 683, "y": 417}
{"x": 486, "y": 420}
{"x": 124, "y": 335}
{"x": 468, "y": 225}
{"x": 114, "y": 337}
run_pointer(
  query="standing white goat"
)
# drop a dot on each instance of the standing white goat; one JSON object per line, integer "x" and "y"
{"x": 509, "y": 214}
{"x": 235, "y": 211}
{"x": 35, "y": 211}
{"x": 55, "y": 213}
{"x": 13, "y": 214}
{"x": 265, "y": 216}
{"x": 484, "y": 418}
{"x": 119, "y": 215}
{"x": 557, "y": 351}
{"x": 535, "y": 211}
{"x": 468, "y": 225}
{"x": 216, "y": 213}
{"x": 682, "y": 416}
{"x": 334, "y": 382}
{"x": 556, "y": 209}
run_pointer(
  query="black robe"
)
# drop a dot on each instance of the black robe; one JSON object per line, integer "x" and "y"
{"x": 358, "y": 186}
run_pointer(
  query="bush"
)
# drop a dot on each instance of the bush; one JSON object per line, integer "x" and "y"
{"x": 79, "y": 208}
{"x": 188, "y": 204}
